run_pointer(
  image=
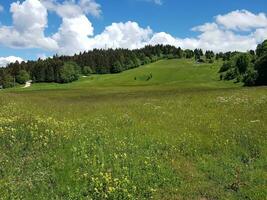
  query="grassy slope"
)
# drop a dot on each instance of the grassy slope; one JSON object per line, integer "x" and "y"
{"x": 177, "y": 73}
{"x": 185, "y": 135}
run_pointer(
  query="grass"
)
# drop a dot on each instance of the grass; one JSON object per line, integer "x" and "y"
{"x": 182, "y": 134}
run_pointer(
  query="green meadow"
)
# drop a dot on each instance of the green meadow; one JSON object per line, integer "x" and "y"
{"x": 167, "y": 130}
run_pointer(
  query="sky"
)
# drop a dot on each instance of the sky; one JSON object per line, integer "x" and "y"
{"x": 32, "y": 29}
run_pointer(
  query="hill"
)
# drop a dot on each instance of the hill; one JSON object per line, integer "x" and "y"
{"x": 167, "y": 130}
{"x": 178, "y": 73}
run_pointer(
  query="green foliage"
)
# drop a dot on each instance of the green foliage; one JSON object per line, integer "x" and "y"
{"x": 198, "y": 53}
{"x": 189, "y": 53}
{"x": 242, "y": 63}
{"x": 22, "y": 77}
{"x": 247, "y": 67}
{"x": 262, "y": 49}
{"x": 230, "y": 74}
{"x": 87, "y": 70}
{"x": 69, "y": 72}
{"x": 261, "y": 67}
{"x": 185, "y": 135}
{"x": 116, "y": 68}
{"x": 6, "y": 80}
{"x": 250, "y": 77}
{"x": 209, "y": 55}
{"x": 225, "y": 67}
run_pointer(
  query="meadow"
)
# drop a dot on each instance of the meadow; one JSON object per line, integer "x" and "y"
{"x": 168, "y": 130}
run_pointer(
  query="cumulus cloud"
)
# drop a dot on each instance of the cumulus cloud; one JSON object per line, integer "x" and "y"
{"x": 122, "y": 35}
{"x": 90, "y": 7}
{"x": 29, "y": 22}
{"x": 226, "y": 33}
{"x": 73, "y": 35}
{"x": 72, "y": 8}
{"x": 242, "y": 20}
{"x": 10, "y": 59}
{"x": 239, "y": 30}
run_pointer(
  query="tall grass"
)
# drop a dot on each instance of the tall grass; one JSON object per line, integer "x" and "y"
{"x": 156, "y": 142}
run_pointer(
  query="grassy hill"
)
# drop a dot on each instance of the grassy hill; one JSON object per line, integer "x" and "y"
{"x": 181, "y": 73}
{"x": 178, "y": 134}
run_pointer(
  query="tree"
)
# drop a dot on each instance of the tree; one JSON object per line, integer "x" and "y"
{"x": 242, "y": 63}
{"x": 189, "y": 53}
{"x": 209, "y": 55}
{"x": 261, "y": 67}
{"x": 87, "y": 70}
{"x": 250, "y": 77}
{"x": 116, "y": 67}
{"x": 6, "y": 80}
{"x": 22, "y": 77}
{"x": 262, "y": 49}
{"x": 68, "y": 73}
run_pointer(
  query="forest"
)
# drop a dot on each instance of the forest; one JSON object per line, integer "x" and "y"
{"x": 249, "y": 67}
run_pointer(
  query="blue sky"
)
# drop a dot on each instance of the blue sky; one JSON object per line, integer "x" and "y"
{"x": 174, "y": 18}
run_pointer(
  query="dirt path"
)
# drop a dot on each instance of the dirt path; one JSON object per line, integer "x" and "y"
{"x": 28, "y": 84}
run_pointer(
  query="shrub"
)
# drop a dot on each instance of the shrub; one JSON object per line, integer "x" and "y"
{"x": 229, "y": 75}
{"x": 116, "y": 67}
{"x": 200, "y": 60}
{"x": 68, "y": 73}
{"x": 7, "y": 81}
{"x": 243, "y": 62}
{"x": 250, "y": 77}
{"x": 211, "y": 61}
{"x": 22, "y": 77}
{"x": 261, "y": 67}
{"x": 226, "y": 66}
{"x": 87, "y": 70}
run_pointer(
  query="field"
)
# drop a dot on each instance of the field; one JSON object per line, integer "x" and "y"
{"x": 168, "y": 130}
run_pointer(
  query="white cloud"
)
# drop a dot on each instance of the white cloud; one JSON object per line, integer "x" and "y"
{"x": 29, "y": 22}
{"x": 1, "y": 8}
{"x": 76, "y": 33}
{"x": 242, "y": 20}
{"x": 123, "y": 35}
{"x": 10, "y": 59}
{"x": 225, "y": 34}
{"x": 72, "y": 8}
{"x": 260, "y": 34}
{"x": 90, "y": 7}
{"x": 73, "y": 35}
{"x": 41, "y": 56}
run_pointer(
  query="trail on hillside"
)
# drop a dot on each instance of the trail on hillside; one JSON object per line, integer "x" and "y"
{"x": 28, "y": 84}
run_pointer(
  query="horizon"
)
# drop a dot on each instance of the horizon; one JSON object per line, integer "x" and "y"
{"x": 32, "y": 29}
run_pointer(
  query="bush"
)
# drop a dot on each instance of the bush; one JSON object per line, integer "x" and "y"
{"x": 200, "y": 60}
{"x": 7, "y": 81}
{"x": 250, "y": 77}
{"x": 87, "y": 70}
{"x": 69, "y": 73}
{"x": 229, "y": 75}
{"x": 116, "y": 67}
{"x": 211, "y": 61}
{"x": 147, "y": 60}
{"x": 243, "y": 62}
{"x": 261, "y": 67}
{"x": 22, "y": 77}
{"x": 226, "y": 66}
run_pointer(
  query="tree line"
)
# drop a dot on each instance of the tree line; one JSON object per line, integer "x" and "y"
{"x": 64, "y": 69}
{"x": 249, "y": 68}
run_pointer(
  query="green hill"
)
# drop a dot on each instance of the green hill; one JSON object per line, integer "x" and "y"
{"x": 168, "y": 130}
{"x": 181, "y": 73}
